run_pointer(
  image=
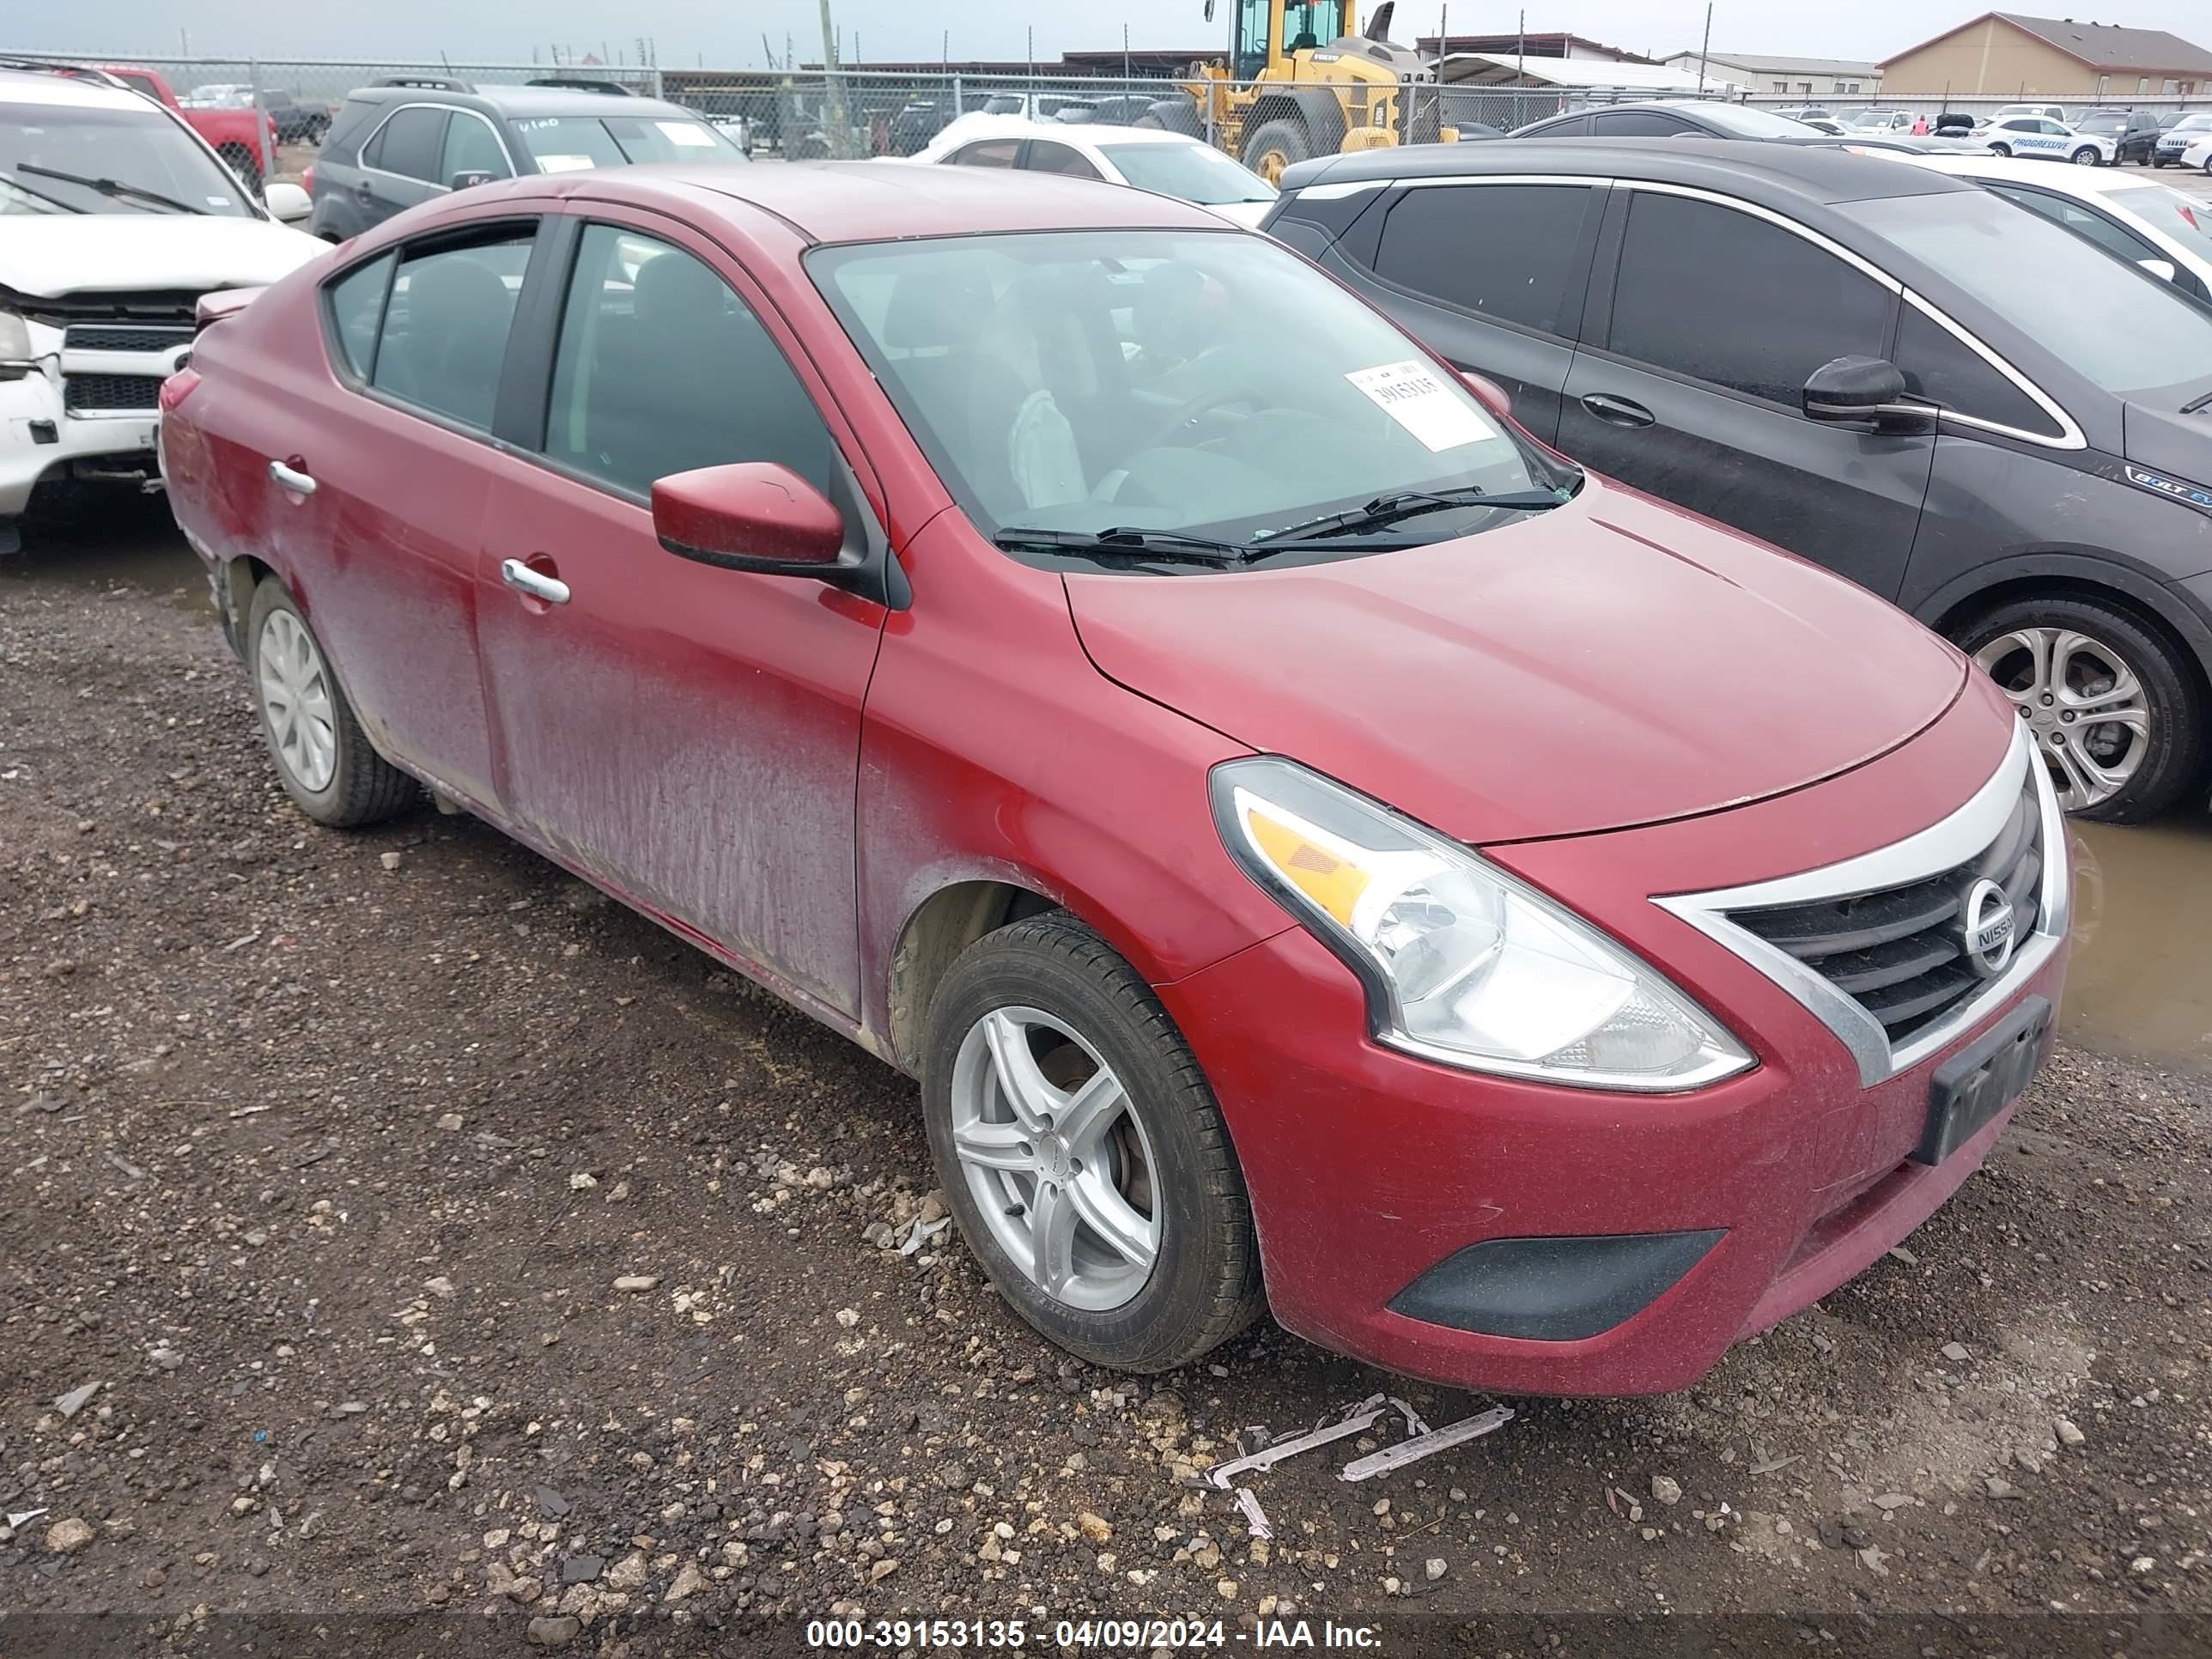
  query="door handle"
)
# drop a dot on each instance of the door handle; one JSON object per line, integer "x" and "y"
{"x": 1616, "y": 412}
{"x": 291, "y": 477}
{"x": 523, "y": 580}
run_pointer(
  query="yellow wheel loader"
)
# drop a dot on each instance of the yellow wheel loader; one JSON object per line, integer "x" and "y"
{"x": 1302, "y": 80}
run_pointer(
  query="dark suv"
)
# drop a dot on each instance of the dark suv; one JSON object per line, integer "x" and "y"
{"x": 1966, "y": 407}
{"x": 2134, "y": 131}
{"x": 401, "y": 142}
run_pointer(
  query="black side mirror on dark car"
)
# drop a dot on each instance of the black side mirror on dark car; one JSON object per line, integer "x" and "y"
{"x": 1864, "y": 389}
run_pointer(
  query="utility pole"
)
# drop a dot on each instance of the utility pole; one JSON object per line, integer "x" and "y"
{"x": 1704, "y": 50}
{"x": 838, "y": 135}
{"x": 1126, "y": 75}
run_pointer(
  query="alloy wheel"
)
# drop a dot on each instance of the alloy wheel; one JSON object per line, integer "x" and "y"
{"x": 2085, "y": 709}
{"x": 295, "y": 701}
{"x": 1056, "y": 1157}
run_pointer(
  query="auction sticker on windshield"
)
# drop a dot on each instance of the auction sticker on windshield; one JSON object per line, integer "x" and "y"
{"x": 688, "y": 135}
{"x": 566, "y": 164}
{"x": 1411, "y": 394}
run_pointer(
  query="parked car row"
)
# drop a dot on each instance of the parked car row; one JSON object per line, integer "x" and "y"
{"x": 1076, "y": 649}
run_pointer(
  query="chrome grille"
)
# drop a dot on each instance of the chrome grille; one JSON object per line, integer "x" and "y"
{"x": 1900, "y": 952}
{"x": 100, "y": 394}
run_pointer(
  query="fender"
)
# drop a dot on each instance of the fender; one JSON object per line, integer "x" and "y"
{"x": 2091, "y": 566}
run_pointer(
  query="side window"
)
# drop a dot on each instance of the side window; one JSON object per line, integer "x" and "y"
{"x": 1505, "y": 250}
{"x": 1636, "y": 124}
{"x": 991, "y": 153}
{"x": 1577, "y": 128}
{"x": 472, "y": 147}
{"x": 445, "y": 329}
{"x": 1938, "y": 367}
{"x": 356, "y": 303}
{"x": 1722, "y": 296}
{"x": 1045, "y": 156}
{"x": 409, "y": 143}
{"x": 661, "y": 369}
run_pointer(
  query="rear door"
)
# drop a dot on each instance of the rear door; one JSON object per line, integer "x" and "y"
{"x": 1493, "y": 274}
{"x": 399, "y": 165}
{"x": 1688, "y": 381}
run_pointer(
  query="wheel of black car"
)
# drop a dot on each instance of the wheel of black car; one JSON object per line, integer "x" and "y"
{"x": 2112, "y": 705}
{"x": 2087, "y": 157}
{"x": 323, "y": 757}
{"x": 1083, "y": 1154}
{"x": 1275, "y": 146}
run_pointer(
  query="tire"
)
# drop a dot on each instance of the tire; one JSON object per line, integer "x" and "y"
{"x": 1276, "y": 145}
{"x": 2087, "y": 157}
{"x": 2001, "y": 149}
{"x": 1150, "y": 123}
{"x": 360, "y": 787}
{"x": 1164, "y": 1155}
{"x": 2157, "y": 763}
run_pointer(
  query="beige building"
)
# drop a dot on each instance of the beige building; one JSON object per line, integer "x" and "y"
{"x": 2004, "y": 53}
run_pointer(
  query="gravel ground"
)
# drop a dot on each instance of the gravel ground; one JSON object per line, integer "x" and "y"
{"x": 397, "y": 1232}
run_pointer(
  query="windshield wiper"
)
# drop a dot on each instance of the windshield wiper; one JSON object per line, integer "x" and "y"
{"x": 109, "y": 187}
{"x": 1128, "y": 543}
{"x": 1410, "y": 503}
{"x": 2196, "y": 404}
{"x": 42, "y": 196}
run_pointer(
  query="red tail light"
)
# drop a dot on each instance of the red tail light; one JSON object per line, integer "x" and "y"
{"x": 179, "y": 387}
{"x": 307, "y": 178}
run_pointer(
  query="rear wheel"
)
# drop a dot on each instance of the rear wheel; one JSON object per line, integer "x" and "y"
{"x": 323, "y": 757}
{"x": 2000, "y": 149}
{"x": 2112, "y": 705}
{"x": 1275, "y": 146}
{"x": 1083, "y": 1154}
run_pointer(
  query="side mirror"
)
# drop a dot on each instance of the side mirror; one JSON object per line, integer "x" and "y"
{"x": 754, "y": 515}
{"x": 1493, "y": 397}
{"x": 468, "y": 180}
{"x": 2162, "y": 269}
{"x": 1862, "y": 389}
{"x": 287, "y": 203}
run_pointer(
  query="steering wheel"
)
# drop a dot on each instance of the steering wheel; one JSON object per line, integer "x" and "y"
{"x": 1191, "y": 411}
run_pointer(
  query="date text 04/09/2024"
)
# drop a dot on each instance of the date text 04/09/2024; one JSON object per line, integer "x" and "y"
{"x": 1143, "y": 1635}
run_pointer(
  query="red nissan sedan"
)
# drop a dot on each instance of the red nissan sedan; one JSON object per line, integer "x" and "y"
{"x": 1318, "y": 848}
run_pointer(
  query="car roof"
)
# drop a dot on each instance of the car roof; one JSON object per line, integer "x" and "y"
{"x": 32, "y": 86}
{"x": 521, "y": 102}
{"x": 878, "y": 200}
{"x": 980, "y": 125}
{"x": 1814, "y": 173}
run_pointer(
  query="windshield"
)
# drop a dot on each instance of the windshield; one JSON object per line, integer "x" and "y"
{"x": 1869, "y": 118}
{"x": 1196, "y": 172}
{"x": 575, "y": 143}
{"x": 2115, "y": 326}
{"x": 1745, "y": 122}
{"x": 2186, "y": 219}
{"x": 127, "y": 150}
{"x": 2197, "y": 123}
{"x": 1206, "y": 384}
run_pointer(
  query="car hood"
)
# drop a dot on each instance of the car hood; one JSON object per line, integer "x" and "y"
{"x": 46, "y": 256}
{"x": 1614, "y": 662}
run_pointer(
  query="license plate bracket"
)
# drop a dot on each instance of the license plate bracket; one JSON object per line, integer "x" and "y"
{"x": 1983, "y": 1079}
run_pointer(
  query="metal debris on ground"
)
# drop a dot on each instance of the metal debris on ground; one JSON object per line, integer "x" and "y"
{"x": 1255, "y": 1518}
{"x": 923, "y": 1232}
{"x": 1415, "y": 1447}
{"x": 24, "y": 1517}
{"x": 1362, "y": 1416}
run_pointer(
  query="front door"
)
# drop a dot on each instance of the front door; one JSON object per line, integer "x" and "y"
{"x": 1716, "y": 319}
{"x": 687, "y": 733}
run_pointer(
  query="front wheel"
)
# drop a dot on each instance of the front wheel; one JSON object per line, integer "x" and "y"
{"x": 2087, "y": 157}
{"x": 323, "y": 757}
{"x": 1276, "y": 146}
{"x": 2114, "y": 707}
{"x": 1083, "y": 1153}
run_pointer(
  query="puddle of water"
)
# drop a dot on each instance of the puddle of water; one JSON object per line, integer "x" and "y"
{"x": 112, "y": 539}
{"x": 2141, "y": 979}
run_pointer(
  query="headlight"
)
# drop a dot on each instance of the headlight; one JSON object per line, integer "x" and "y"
{"x": 1462, "y": 963}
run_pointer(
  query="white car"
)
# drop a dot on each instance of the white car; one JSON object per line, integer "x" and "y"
{"x": 2133, "y": 216}
{"x": 2050, "y": 112}
{"x": 1166, "y": 163}
{"x": 2197, "y": 152}
{"x": 2039, "y": 138}
{"x": 115, "y": 218}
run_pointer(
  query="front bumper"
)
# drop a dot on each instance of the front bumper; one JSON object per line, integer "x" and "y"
{"x": 39, "y": 438}
{"x": 1368, "y": 1168}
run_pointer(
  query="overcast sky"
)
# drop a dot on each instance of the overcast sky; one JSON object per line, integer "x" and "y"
{"x": 729, "y": 34}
